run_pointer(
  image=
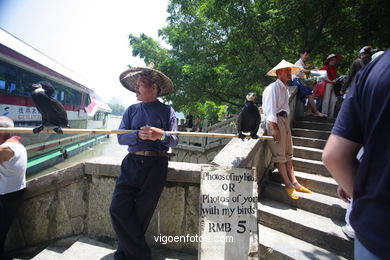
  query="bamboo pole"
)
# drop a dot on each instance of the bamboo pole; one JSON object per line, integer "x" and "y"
{"x": 26, "y": 130}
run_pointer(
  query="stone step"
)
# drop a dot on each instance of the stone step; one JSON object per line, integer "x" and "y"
{"x": 318, "y": 134}
{"x": 314, "y": 125}
{"x": 277, "y": 245}
{"x": 316, "y": 119}
{"x": 52, "y": 253}
{"x": 316, "y": 183}
{"x": 307, "y": 152}
{"x": 167, "y": 254}
{"x": 88, "y": 249}
{"x": 312, "y": 228}
{"x": 309, "y": 142}
{"x": 317, "y": 203}
{"x": 310, "y": 166}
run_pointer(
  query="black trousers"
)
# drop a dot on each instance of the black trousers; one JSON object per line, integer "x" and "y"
{"x": 136, "y": 194}
{"x": 9, "y": 204}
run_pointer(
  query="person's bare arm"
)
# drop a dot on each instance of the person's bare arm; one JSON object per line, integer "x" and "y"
{"x": 329, "y": 81}
{"x": 275, "y": 131}
{"x": 339, "y": 157}
{"x": 5, "y": 153}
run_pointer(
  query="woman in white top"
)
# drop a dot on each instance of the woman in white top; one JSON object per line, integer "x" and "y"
{"x": 13, "y": 163}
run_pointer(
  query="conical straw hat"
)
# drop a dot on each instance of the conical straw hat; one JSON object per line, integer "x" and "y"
{"x": 282, "y": 65}
{"x": 129, "y": 79}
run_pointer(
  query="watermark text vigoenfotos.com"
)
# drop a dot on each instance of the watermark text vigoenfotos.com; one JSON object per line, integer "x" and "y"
{"x": 192, "y": 238}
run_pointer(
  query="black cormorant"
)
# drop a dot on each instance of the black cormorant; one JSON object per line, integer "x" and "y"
{"x": 53, "y": 112}
{"x": 249, "y": 118}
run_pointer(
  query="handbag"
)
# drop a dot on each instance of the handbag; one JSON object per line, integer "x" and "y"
{"x": 319, "y": 89}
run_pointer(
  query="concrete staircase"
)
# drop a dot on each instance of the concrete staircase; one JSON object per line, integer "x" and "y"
{"x": 310, "y": 227}
{"x": 89, "y": 249}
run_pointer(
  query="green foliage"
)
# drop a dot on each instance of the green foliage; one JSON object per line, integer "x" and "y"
{"x": 117, "y": 109}
{"x": 221, "y": 50}
{"x": 210, "y": 111}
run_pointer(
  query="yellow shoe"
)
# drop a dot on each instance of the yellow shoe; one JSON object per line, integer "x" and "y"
{"x": 305, "y": 190}
{"x": 292, "y": 193}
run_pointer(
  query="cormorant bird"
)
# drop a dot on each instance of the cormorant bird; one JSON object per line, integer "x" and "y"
{"x": 249, "y": 118}
{"x": 53, "y": 112}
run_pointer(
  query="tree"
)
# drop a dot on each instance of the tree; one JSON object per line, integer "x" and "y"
{"x": 221, "y": 50}
{"x": 117, "y": 109}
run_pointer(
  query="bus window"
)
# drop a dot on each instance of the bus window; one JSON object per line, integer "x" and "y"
{"x": 27, "y": 79}
{"x": 62, "y": 95}
{"x": 8, "y": 75}
{"x": 72, "y": 97}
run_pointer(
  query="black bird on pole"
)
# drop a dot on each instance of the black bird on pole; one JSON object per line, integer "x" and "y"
{"x": 249, "y": 118}
{"x": 53, "y": 112}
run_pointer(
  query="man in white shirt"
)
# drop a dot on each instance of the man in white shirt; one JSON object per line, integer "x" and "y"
{"x": 276, "y": 109}
{"x": 304, "y": 90}
{"x": 13, "y": 163}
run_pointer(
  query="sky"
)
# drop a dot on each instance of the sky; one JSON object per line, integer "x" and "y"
{"x": 89, "y": 37}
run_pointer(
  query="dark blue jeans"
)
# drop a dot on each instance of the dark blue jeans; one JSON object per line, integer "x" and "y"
{"x": 136, "y": 194}
{"x": 362, "y": 253}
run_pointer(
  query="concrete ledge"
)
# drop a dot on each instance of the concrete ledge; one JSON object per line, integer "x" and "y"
{"x": 177, "y": 171}
{"x": 184, "y": 172}
{"x": 54, "y": 181}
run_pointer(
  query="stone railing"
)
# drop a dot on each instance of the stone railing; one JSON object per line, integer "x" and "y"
{"x": 75, "y": 201}
{"x": 204, "y": 149}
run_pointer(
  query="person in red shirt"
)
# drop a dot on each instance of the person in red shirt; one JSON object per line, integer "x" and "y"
{"x": 329, "y": 99}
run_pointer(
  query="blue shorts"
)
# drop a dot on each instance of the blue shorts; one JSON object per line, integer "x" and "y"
{"x": 303, "y": 90}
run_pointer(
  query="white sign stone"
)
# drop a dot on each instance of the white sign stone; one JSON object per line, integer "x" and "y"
{"x": 228, "y": 214}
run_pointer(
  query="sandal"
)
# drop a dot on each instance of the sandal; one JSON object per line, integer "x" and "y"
{"x": 292, "y": 193}
{"x": 303, "y": 189}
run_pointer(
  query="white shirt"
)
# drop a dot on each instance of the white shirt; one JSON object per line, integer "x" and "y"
{"x": 13, "y": 171}
{"x": 300, "y": 74}
{"x": 275, "y": 100}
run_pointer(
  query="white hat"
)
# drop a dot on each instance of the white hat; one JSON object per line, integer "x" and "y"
{"x": 367, "y": 49}
{"x": 282, "y": 65}
{"x": 376, "y": 55}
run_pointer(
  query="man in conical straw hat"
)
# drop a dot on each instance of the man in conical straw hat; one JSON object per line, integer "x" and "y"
{"x": 144, "y": 169}
{"x": 276, "y": 109}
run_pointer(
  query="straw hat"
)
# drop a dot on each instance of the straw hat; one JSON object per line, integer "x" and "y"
{"x": 338, "y": 57}
{"x": 282, "y": 65}
{"x": 129, "y": 79}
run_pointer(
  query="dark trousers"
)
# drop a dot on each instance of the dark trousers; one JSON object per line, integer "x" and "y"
{"x": 9, "y": 204}
{"x": 136, "y": 194}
